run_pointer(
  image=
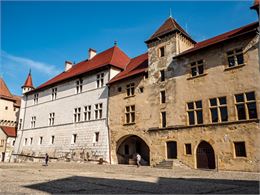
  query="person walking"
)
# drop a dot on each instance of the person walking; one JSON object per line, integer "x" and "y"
{"x": 46, "y": 159}
{"x": 138, "y": 159}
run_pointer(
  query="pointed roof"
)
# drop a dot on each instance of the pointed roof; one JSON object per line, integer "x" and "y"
{"x": 169, "y": 26}
{"x": 136, "y": 66}
{"x": 28, "y": 82}
{"x": 9, "y": 131}
{"x": 113, "y": 56}
{"x": 4, "y": 91}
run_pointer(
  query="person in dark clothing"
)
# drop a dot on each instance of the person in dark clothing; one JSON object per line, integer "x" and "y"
{"x": 46, "y": 159}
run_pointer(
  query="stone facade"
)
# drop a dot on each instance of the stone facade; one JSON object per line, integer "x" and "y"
{"x": 217, "y": 80}
{"x": 66, "y": 139}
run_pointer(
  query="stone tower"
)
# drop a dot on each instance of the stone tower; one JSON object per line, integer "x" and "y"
{"x": 28, "y": 85}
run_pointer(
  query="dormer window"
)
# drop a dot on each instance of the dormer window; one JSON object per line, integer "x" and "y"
{"x": 161, "y": 51}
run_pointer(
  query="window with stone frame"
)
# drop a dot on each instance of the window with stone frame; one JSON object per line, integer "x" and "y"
{"x": 188, "y": 149}
{"x": 31, "y": 140}
{"x": 33, "y": 121}
{"x": 246, "y": 106}
{"x": 52, "y": 139}
{"x": 51, "y": 118}
{"x": 35, "y": 98}
{"x": 130, "y": 89}
{"x": 98, "y": 111}
{"x": 197, "y": 68}
{"x": 87, "y": 113}
{"x": 130, "y": 114}
{"x": 240, "y": 149}
{"x": 162, "y": 75}
{"x": 2, "y": 142}
{"x": 77, "y": 112}
{"x": 162, "y": 97}
{"x": 25, "y": 141}
{"x": 54, "y": 93}
{"x": 96, "y": 137}
{"x": 100, "y": 80}
{"x": 20, "y": 124}
{"x": 195, "y": 115}
{"x": 74, "y": 138}
{"x": 235, "y": 57}
{"x": 79, "y": 85}
{"x": 218, "y": 109}
{"x": 163, "y": 119}
{"x": 40, "y": 140}
{"x": 162, "y": 51}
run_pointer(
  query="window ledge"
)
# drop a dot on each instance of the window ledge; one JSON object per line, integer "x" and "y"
{"x": 197, "y": 76}
{"x": 127, "y": 124}
{"x": 234, "y": 67}
{"x": 126, "y": 97}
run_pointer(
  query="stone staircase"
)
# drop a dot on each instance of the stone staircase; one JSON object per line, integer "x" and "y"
{"x": 170, "y": 163}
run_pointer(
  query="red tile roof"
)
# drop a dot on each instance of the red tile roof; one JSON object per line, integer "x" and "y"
{"x": 170, "y": 25}
{"x": 28, "y": 82}
{"x": 6, "y": 94}
{"x": 220, "y": 38}
{"x": 136, "y": 66}
{"x": 112, "y": 56}
{"x": 9, "y": 131}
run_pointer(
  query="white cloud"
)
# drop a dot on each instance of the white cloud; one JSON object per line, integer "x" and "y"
{"x": 29, "y": 63}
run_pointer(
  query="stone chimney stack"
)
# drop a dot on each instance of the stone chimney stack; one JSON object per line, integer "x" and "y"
{"x": 91, "y": 53}
{"x": 68, "y": 65}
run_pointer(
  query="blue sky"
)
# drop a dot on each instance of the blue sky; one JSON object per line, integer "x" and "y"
{"x": 42, "y": 35}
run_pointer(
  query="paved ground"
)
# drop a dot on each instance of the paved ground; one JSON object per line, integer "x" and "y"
{"x": 74, "y": 178}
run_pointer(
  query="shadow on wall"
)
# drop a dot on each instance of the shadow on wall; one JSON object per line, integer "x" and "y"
{"x": 92, "y": 185}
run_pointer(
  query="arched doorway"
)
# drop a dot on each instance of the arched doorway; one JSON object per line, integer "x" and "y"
{"x": 205, "y": 156}
{"x": 128, "y": 146}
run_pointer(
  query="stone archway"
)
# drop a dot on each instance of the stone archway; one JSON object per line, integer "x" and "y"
{"x": 128, "y": 146}
{"x": 205, "y": 156}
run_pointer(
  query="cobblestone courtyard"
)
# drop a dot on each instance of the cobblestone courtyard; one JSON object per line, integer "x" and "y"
{"x": 87, "y": 178}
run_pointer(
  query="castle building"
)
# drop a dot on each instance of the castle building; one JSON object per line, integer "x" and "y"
{"x": 9, "y": 111}
{"x": 195, "y": 103}
{"x": 66, "y": 116}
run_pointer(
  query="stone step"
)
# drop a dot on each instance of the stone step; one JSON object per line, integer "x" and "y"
{"x": 170, "y": 163}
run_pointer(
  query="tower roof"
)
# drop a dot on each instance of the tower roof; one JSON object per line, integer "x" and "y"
{"x": 255, "y": 5}
{"x": 4, "y": 91}
{"x": 28, "y": 82}
{"x": 170, "y": 25}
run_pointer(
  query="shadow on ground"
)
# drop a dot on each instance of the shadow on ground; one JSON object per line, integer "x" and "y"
{"x": 91, "y": 185}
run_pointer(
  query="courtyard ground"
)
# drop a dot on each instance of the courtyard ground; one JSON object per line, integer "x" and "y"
{"x": 88, "y": 178}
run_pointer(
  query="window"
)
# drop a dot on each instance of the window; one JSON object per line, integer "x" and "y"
{"x": 54, "y": 93}
{"x": 240, "y": 149}
{"x": 235, "y": 57}
{"x": 13, "y": 142}
{"x": 40, "y": 140}
{"x": 195, "y": 112}
{"x": 31, "y": 141}
{"x": 3, "y": 141}
{"x": 25, "y": 141}
{"x": 188, "y": 148}
{"x": 163, "y": 97}
{"x": 197, "y": 68}
{"x": 77, "y": 114}
{"x": 129, "y": 114}
{"x": 161, "y": 52}
{"x": 163, "y": 119}
{"x": 14, "y": 109}
{"x": 20, "y": 124}
{"x": 79, "y": 84}
{"x": 98, "y": 111}
{"x": 246, "y": 106}
{"x": 96, "y": 139}
{"x": 218, "y": 109}
{"x": 33, "y": 121}
{"x": 52, "y": 139}
{"x": 87, "y": 113}
{"x": 146, "y": 75}
{"x": 35, "y": 98}
{"x": 130, "y": 89}
{"x": 162, "y": 75}
{"x": 6, "y": 108}
{"x": 51, "y": 119}
{"x": 74, "y": 138}
{"x": 119, "y": 89}
{"x": 141, "y": 89}
{"x": 100, "y": 80}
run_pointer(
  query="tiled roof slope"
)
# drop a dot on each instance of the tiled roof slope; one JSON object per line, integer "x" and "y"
{"x": 220, "y": 38}
{"x": 136, "y": 66}
{"x": 168, "y": 26}
{"x": 112, "y": 56}
{"x": 4, "y": 91}
{"x": 255, "y": 5}
{"x": 9, "y": 131}
{"x": 28, "y": 82}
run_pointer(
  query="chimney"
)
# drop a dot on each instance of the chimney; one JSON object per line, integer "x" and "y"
{"x": 91, "y": 53}
{"x": 68, "y": 65}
